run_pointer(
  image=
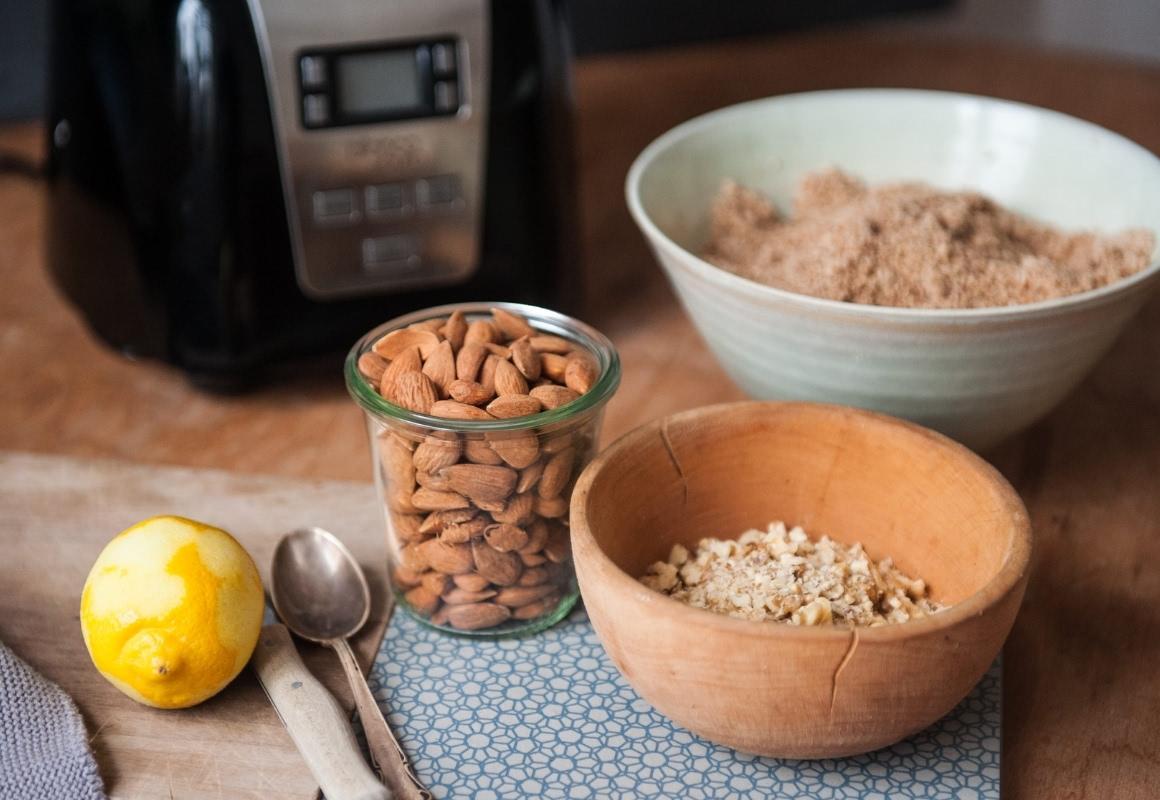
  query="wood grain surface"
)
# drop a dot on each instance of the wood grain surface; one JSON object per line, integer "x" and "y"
{"x": 1082, "y": 692}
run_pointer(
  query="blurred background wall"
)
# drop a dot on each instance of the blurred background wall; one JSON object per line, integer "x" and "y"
{"x": 1125, "y": 28}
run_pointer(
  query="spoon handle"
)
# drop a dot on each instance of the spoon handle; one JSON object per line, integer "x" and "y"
{"x": 385, "y": 749}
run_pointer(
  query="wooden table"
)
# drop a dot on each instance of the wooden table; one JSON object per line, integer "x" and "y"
{"x": 1082, "y": 688}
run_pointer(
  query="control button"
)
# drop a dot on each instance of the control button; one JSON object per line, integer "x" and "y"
{"x": 439, "y": 191}
{"x": 312, "y": 70}
{"x": 443, "y": 58}
{"x": 446, "y": 96}
{"x": 315, "y": 110}
{"x": 398, "y": 252}
{"x": 334, "y": 205}
{"x": 388, "y": 198}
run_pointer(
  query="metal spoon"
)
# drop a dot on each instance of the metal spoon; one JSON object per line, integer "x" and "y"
{"x": 321, "y": 594}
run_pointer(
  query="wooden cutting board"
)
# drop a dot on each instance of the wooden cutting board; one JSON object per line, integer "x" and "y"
{"x": 55, "y": 516}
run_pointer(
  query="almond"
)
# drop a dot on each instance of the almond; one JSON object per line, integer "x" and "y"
{"x": 422, "y": 600}
{"x": 371, "y": 367}
{"x": 458, "y": 597}
{"x": 407, "y": 527}
{"x": 440, "y": 367}
{"x": 431, "y": 480}
{"x": 463, "y": 531}
{"x": 487, "y": 373}
{"x": 491, "y": 506}
{"x": 534, "y": 610}
{"x": 396, "y": 460}
{"x": 433, "y": 500}
{"x": 533, "y": 577}
{"x": 414, "y": 558}
{"x": 553, "y": 396}
{"x": 529, "y": 477}
{"x": 434, "y": 454}
{"x": 502, "y": 569}
{"x": 516, "y": 449}
{"x": 470, "y": 358}
{"x": 399, "y": 499}
{"x": 551, "y": 344}
{"x": 450, "y": 559}
{"x": 505, "y": 537}
{"x": 511, "y": 324}
{"x": 415, "y": 391}
{"x": 405, "y": 577}
{"x": 553, "y": 366}
{"x": 469, "y": 392}
{"x": 455, "y": 329}
{"x": 471, "y": 582}
{"x": 516, "y": 596}
{"x": 518, "y": 510}
{"x": 508, "y": 380}
{"x": 499, "y": 350}
{"x": 580, "y": 374}
{"x": 478, "y": 451}
{"x": 477, "y": 615}
{"x": 537, "y": 537}
{"x": 532, "y": 559}
{"x": 395, "y": 342}
{"x": 438, "y": 520}
{"x": 550, "y": 507}
{"x": 525, "y": 358}
{"x": 514, "y": 405}
{"x": 432, "y": 325}
{"x": 480, "y": 331}
{"x": 559, "y": 546}
{"x": 557, "y": 473}
{"x": 407, "y": 361}
{"x": 436, "y": 582}
{"x": 481, "y": 481}
{"x": 557, "y": 443}
{"x": 440, "y": 616}
{"x": 449, "y": 409}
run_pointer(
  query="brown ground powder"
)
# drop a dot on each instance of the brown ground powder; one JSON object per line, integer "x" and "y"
{"x": 909, "y": 244}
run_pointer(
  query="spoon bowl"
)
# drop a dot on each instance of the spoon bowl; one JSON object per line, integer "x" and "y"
{"x": 318, "y": 588}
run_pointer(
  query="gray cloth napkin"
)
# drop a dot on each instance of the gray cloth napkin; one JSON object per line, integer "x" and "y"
{"x": 44, "y": 749}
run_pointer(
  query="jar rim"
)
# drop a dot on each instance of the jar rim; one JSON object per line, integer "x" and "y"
{"x": 543, "y": 319}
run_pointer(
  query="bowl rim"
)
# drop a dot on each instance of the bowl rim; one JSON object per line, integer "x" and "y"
{"x": 735, "y": 283}
{"x": 1012, "y": 571}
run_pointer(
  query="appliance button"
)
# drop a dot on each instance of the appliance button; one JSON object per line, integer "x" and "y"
{"x": 446, "y": 96}
{"x": 315, "y": 110}
{"x": 334, "y": 205}
{"x": 312, "y": 70}
{"x": 387, "y": 198}
{"x": 438, "y": 191}
{"x": 399, "y": 251}
{"x": 443, "y": 58}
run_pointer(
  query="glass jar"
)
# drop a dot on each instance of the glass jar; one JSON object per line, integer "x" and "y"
{"x": 477, "y": 510}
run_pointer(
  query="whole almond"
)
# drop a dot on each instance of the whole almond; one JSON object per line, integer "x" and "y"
{"x": 405, "y": 577}
{"x": 438, "y": 520}
{"x": 449, "y": 409}
{"x": 400, "y": 497}
{"x": 407, "y": 527}
{"x": 440, "y": 367}
{"x": 481, "y": 481}
{"x": 532, "y": 559}
{"x": 414, "y": 558}
{"x": 440, "y": 615}
{"x": 469, "y": 360}
{"x": 529, "y": 477}
{"x": 450, "y": 559}
{"x": 500, "y": 350}
{"x": 422, "y": 600}
{"x": 457, "y": 596}
{"x": 512, "y": 325}
{"x": 477, "y": 615}
{"x": 480, "y": 331}
{"x": 505, "y": 537}
{"x": 534, "y": 610}
{"x": 434, "y": 454}
{"x": 432, "y": 480}
{"x": 463, "y": 531}
{"x": 491, "y": 506}
{"x": 433, "y": 325}
{"x": 469, "y": 392}
{"x": 553, "y": 366}
{"x": 433, "y": 500}
{"x": 408, "y": 360}
{"x": 537, "y": 537}
{"x": 415, "y": 391}
{"x": 478, "y": 451}
{"x": 455, "y": 329}
{"x": 553, "y": 396}
{"x": 372, "y": 367}
{"x": 502, "y": 569}
{"x": 516, "y": 449}
{"x": 487, "y": 373}
{"x": 533, "y": 577}
{"x": 471, "y": 582}
{"x": 514, "y": 405}
{"x": 525, "y": 358}
{"x": 397, "y": 341}
{"x": 580, "y": 374}
{"x": 518, "y": 511}
{"x": 557, "y": 473}
{"x": 557, "y": 443}
{"x": 508, "y": 380}
{"x": 551, "y": 508}
{"x": 396, "y": 460}
{"x": 559, "y": 546}
{"x": 551, "y": 344}
{"x": 516, "y": 596}
{"x": 436, "y": 582}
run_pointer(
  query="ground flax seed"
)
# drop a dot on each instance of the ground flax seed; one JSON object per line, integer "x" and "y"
{"x": 908, "y": 244}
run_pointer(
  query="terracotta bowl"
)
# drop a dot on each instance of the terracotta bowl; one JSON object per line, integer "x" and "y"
{"x": 773, "y": 689}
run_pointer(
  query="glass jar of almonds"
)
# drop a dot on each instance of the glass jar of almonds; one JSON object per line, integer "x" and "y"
{"x": 480, "y": 418}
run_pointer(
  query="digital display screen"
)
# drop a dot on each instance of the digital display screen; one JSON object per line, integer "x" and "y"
{"x": 377, "y": 83}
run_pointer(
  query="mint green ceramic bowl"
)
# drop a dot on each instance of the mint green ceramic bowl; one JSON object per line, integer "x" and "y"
{"x": 977, "y": 375}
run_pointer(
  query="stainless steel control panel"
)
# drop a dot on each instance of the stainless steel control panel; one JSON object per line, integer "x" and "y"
{"x": 380, "y": 116}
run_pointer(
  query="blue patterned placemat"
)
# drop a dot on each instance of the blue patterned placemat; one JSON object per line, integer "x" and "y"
{"x": 550, "y": 717}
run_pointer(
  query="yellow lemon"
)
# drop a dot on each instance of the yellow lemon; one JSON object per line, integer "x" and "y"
{"x": 171, "y": 611}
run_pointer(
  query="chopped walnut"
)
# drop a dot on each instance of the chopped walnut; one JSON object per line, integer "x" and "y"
{"x": 782, "y": 575}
